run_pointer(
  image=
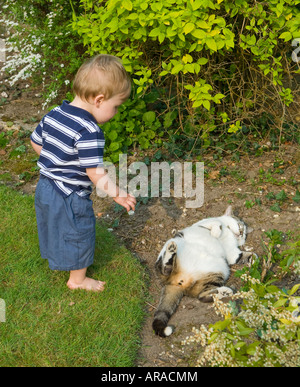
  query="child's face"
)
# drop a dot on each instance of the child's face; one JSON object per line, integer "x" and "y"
{"x": 105, "y": 109}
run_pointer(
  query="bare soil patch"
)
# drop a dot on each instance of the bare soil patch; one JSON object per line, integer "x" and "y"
{"x": 146, "y": 232}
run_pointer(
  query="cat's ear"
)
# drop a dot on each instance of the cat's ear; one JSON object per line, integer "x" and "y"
{"x": 228, "y": 211}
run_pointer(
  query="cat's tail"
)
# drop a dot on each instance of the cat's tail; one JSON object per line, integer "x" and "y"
{"x": 170, "y": 298}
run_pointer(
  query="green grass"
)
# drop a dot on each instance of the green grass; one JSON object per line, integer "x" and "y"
{"x": 49, "y": 325}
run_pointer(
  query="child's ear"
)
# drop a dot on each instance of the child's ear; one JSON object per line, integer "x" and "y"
{"x": 98, "y": 100}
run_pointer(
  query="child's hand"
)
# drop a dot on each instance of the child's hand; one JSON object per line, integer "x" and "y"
{"x": 128, "y": 202}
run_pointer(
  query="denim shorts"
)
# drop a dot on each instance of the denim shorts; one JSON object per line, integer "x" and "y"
{"x": 66, "y": 227}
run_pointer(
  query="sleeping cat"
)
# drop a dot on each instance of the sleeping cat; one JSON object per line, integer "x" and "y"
{"x": 195, "y": 263}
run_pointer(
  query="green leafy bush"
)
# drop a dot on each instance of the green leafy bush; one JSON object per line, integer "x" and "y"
{"x": 133, "y": 126}
{"x": 217, "y": 63}
{"x": 215, "y": 66}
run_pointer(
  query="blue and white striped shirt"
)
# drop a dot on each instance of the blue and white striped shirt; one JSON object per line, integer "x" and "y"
{"x": 72, "y": 141}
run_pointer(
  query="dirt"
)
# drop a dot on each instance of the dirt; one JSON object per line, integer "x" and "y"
{"x": 145, "y": 233}
{"x": 245, "y": 185}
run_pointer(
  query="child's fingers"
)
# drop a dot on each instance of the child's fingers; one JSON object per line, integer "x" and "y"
{"x": 131, "y": 204}
{"x": 131, "y": 200}
{"x": 132, "y": 197}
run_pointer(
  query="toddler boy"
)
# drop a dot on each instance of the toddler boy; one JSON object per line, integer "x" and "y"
{"x": 70, "y": 146}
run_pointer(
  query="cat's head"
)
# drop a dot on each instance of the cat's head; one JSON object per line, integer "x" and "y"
{"x": 236, "y": 226}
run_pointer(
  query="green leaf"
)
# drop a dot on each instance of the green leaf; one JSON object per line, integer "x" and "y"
{"x": 280, "y": 302}
{"x": 218, "y": 96}
{"x": 113, "y": 135}
{"x": 199, "y": 34}
{"x": 272, "y": 289}
{"x": 275, "y": 207}
{"x": 243, "y": 329}
{"x": 188, "y": 28}
{"x": 197, "y": 103}
{"x": 168, "y": 119}
{"x": 239, "y": 344}
{"x": 294, "y": 289}
{"x": 206, "y": 104}
{"x": 154, "y": 32}
{"x": 161, "y": 37}
{"x": 127, "y": 4}
{"x": 221, "y": 325}
{"x": 196, "y": 4}
{"x": 252, "y": 348}
{"x": 296, "y": 198}
{"x": 202, "y": 61}
{"x": 149, "y": 117}
{"x": 202, "y": 24}
{"x": 281, "y": 195}
{"x": 177, "y": 68}
{"x": 113, "y": 25}
{"x": 114, "y": 146}
{"x": 286, "y": 36}
{"x": 251, "y": 40}
{"x": 187, "y": 58}
{"x": 211, "y": 44}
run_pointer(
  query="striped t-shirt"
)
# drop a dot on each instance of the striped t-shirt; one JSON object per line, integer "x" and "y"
{"x": 72, "y": 141}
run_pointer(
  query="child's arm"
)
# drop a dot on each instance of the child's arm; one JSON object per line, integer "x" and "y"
{"x": 36, "y": 147}
{"x": 102, "y": 181}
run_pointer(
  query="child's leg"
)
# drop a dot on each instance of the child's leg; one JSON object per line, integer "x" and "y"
{"x": 79, "y": 280}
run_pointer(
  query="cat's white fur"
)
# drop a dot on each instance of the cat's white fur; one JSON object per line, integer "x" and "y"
{"x": 210, "y": 245}
{"x": 207, "y": 247}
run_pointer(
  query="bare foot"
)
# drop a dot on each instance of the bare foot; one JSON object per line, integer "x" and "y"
{"x": 87, "y": 284}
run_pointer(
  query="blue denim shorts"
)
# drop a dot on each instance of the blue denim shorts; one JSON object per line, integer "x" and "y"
{"x": 66, "y": 227}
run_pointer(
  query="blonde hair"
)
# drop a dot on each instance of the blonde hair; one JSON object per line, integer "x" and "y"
{"x": 102, "y": 74}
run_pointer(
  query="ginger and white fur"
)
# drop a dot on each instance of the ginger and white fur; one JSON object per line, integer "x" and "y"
{"x": 195, "y": 263}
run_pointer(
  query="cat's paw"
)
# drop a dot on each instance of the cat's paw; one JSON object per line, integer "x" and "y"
{"x": 235, "y": 256}
{"x": 223, "y": 292}
{"x": 169, "y": 258}
{"x": 251, "y": 259}
{"x": 247, "y": 258}
{"x": 172, "y": 248}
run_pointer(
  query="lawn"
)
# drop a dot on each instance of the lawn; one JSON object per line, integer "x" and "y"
{"x": 49, "y": 325}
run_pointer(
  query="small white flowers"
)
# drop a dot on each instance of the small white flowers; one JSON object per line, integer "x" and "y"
{"x": 50, "y": 98}
{"x": 51, "y": 16}
{"x": 25, "y": 53}
{"x": 263, "y": 325}
{"x": 21, "y": 63}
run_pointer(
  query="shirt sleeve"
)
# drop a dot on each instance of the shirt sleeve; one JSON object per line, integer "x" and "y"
{"x": 37, "y": 134}
{"x": 91, "y": 149}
